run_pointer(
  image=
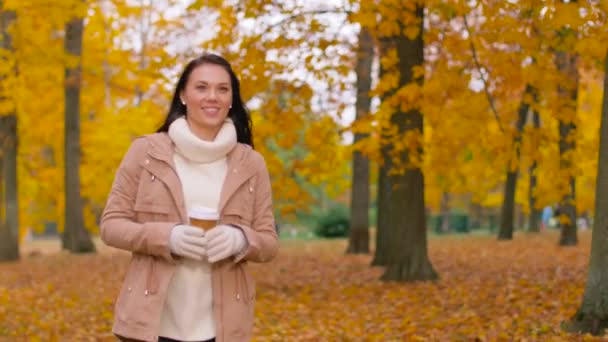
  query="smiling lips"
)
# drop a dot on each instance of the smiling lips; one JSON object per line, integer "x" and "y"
{"x": 211, "y": 110}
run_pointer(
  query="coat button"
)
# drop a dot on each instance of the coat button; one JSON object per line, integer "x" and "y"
{"x": 146, "y": 293}
{"x": 233, "y": 170}
{"x": 238, "y": 296}
{"x": 153, "y": 177}
{"x": 129, "y": 289}
{"x": 147, "y": 161}
{"x": 250, "y": 189}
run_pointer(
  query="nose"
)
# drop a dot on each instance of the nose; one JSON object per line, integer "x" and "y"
{"x": 212, "y": 94}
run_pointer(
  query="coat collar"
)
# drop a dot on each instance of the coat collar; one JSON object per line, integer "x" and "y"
{"x": 241, "y": 166}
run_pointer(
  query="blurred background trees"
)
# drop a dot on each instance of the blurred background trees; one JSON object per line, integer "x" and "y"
{"x": 496, "y": 118}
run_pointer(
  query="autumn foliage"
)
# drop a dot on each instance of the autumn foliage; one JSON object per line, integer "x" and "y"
{"x": 296, "y": 62}
{"x": 488, "y": 290}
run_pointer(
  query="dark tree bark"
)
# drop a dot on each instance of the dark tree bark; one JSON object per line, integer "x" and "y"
{"x": 407, "y": 256}
{"x": 566, "y": 64}
{"x": 383, "y": 227}
{"x": 9, "y": 225}
{"x": 444, "y": 208}
{"x": 534, "y": 212}
{"x": 505, "y": 231}
{"x": 358, "y": 241}
{"x": 77, "y": 237}
{"x": 475, "y": 212}
{"x": 592, "y": 315}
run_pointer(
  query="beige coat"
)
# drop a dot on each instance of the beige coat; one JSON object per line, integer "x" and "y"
{"x": 146, "y": 201}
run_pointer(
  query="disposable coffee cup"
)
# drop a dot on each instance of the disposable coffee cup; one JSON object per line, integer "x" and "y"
{"x": 203, "y": 217}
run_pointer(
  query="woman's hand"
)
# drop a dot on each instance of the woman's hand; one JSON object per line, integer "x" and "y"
{"x": 188, "y": 241}
{"x": 224, "y": 241}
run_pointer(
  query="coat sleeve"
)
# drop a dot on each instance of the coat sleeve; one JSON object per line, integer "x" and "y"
{"x": 263, "y": 242}
{"x": 118, "y": 226}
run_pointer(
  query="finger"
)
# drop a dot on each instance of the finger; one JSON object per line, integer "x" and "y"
{"x": 193, "y": 231}
{"x": 217, "y": 257}
{"x": 217, "y": 243}
{"x": 219, "y": 240}
{"x": 197, "y": 251}
{"x": 190, "y": 255}
{"x": 195, "y": 240}
{"x": 214, "y": 232}
{"x": 190, "y": 247}
{"x": 218, "y": 249}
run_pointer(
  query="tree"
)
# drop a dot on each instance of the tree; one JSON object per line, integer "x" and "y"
{"x": 359, "y": 203}
{"x": 407, "y": 252}
{"x": 77, "y": 238}
{"x": 534, "y": 211}
{"x": 505, "y": 231}
{"x": 9, "y": 225}
{"x": 592, "y": 315}
{"x": 383, "y": 199}
{"x": 567, "y": 92}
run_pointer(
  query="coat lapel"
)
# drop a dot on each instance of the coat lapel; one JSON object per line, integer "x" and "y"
{"x": 162, "y": 166}
{"x": 241, "y": 167}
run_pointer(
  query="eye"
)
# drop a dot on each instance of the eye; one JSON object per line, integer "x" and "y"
{"x": 201, "y": 87}
{"x": 224, "y": 89}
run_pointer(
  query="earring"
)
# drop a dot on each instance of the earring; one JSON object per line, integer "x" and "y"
{"x": 230, "y": 107}
{"x": 183, "y": 102}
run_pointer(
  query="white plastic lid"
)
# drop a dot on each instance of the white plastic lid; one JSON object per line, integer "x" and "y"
{"x": 203, "y": 213}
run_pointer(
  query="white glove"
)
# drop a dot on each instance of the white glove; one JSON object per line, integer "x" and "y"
{"x": 224, "y": 241}
{"x": 188, "y": 241}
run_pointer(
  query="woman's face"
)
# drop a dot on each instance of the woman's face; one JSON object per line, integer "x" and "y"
{"x": 208, "y": 98}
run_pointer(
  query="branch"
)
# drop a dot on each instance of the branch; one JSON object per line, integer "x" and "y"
{"x": 289, "y": 18}
{"x": 483, "y": 79}
{"x": 303, "y": 13}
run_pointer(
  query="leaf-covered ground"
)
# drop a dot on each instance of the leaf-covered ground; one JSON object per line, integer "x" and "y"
{"x": 488, "y": 291}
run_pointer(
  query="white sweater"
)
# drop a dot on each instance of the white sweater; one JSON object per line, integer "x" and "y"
{"x": 201, "y": 166}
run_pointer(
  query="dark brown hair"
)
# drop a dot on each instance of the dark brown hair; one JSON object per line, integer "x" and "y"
{"x": 238, "y": 113}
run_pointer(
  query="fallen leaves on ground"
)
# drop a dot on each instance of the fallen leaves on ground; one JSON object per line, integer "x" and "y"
{"x": 488, "y": 291}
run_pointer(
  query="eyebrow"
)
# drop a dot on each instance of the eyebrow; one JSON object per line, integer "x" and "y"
{"x": 205, "y": 82}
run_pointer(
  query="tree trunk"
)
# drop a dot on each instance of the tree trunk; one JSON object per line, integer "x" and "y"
{"x": 566, "y": 64}
{"x": 9, "y": 223}
{"x": 9, "y": 170}
{"x": 444, "y": 208}
{"x": 592, "y": 315}
{"x": 505, "y": 231}
{"x": 9, "y": 247}
{"x": 383, "y": 227}
{"x": 359, "y": 233}
{"x": 534, "y": 212}
{"x": 407, "y": 256}
{"x": 475, "y": 212}
{"x": 384, "y": 192}
{"x": 77, "y": 237}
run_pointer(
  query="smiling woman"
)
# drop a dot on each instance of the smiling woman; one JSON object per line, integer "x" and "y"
{"x": 185, "y": 283}
{"x": 207, "y": 92}
{"x": 208, "y": 98}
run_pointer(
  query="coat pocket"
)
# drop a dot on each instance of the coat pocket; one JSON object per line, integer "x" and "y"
{"x": 239, "y": 209}
{"x": 242, "y": 301}
{"x": 137, "y": 298}
{"x": 153, "y": 200}
{"x": 133, "y": 284}
{"x": 151, "y": 212}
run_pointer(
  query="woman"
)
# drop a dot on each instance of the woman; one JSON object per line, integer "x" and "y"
{"x": 184, "y": 283}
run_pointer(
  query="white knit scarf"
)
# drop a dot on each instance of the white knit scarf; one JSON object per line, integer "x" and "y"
{"x": 201, "y": 151}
